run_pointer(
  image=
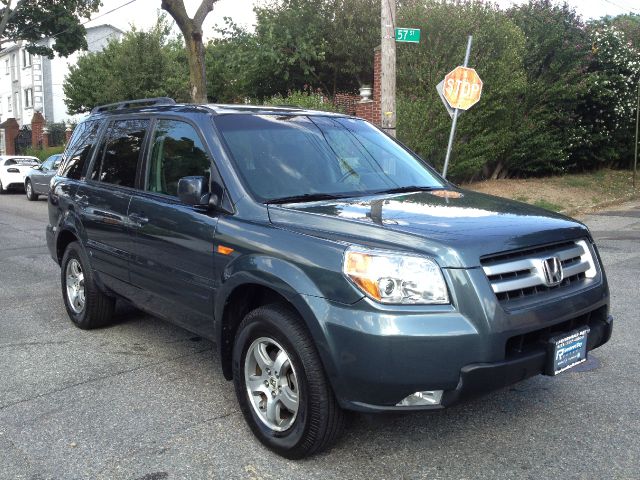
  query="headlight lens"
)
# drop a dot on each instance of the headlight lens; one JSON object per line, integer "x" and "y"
{"x": 395, "y": 278}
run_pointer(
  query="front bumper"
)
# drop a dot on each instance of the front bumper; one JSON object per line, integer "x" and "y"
{"x": 481, "y": 378}
{"x": 375, "y": 355}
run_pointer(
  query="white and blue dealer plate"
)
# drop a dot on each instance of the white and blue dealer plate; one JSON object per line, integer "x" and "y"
{"x": 568, "y": 350}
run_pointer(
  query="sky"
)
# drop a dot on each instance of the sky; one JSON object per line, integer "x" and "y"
{"x": 143, "y": 13}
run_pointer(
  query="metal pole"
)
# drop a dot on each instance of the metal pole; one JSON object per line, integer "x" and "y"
{"x": 388, "y": 67}
{"x": 635, "y": 161}
{"x": 452, "y": 134}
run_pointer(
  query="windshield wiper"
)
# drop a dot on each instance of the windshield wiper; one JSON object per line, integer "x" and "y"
{"x": 305, "y": 197}
{"x": 409, "y": 188}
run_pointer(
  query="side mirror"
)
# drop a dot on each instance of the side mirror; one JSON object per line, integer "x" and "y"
{"x": 194, "y": 191}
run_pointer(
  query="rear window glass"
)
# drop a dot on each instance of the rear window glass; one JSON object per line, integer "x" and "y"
{"x": 22, "y": 161}
{"x": 79, "y": 150}
{"x": 120, "y": 152}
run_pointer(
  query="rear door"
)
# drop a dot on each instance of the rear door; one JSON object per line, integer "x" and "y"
{"x": 104, "y": 198}
{"x": 172, "y": 259}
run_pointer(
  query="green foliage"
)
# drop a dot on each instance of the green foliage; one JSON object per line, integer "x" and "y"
{"x": 142, "y": 64}
{"x": 629, "y": 25}
{"x": 307, "y": 99}
{"x": 556, "y": 53}
{"x": 607, "y": 109}
{"x": 43, "y": 153}
{"x": 33, "y": 20}
{"x": 485, "y": 136}
{"x": 324, "y": 43}
{"x": 231, "y": 68}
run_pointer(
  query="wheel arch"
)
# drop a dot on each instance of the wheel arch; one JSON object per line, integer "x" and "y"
{"x": 64, "y": 238}
{"x": 249, "y": 291}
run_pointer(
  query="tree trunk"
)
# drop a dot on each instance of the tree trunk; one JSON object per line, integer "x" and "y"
{"x": 197, "y": 73}
{"x": 191, "y": 29}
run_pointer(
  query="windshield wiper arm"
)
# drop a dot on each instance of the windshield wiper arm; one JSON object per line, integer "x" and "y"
{"x": 409, "y": 188}
{"x": 305, "y": 197}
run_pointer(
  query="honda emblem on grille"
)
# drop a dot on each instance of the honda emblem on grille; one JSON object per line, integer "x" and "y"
{"x": 552, "y": 268}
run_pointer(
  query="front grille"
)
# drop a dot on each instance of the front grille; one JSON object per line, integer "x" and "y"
{"x": 520, "y": 275}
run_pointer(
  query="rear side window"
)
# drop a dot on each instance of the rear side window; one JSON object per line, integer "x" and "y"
{"x": 120, "y": 152}
{"x": 79, "y": 150}
{"x": 177, "y": 152}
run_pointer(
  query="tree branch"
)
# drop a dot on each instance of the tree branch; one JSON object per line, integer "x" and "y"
{"x": 7, "y": 14}
{"x": 176, "y": 9}
{"x": 205, "y": 7}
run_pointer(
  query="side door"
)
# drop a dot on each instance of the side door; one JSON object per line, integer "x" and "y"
{"x": 42, "y": 178}
{"x": 39, "y": 175}
{"x": 103, "y": 200}
{"x": 172, "y": 261}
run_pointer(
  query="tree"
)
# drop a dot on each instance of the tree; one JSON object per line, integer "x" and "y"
{"x": 607, "y": 110}
{"x": 141, "y": 64}
{"x": 33, "y": 20}
{"x": 555, "y": 60}
{"x": 326, "y": 44}
{"x": 191, "y": 29}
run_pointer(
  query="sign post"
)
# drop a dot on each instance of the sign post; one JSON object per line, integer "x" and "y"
{"x": 461, "y": 89}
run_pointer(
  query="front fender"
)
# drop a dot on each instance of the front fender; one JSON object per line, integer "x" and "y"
{"x": 287, "y": 280}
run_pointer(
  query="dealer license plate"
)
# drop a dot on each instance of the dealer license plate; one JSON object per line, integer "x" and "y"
{"x": 567, "y": 351}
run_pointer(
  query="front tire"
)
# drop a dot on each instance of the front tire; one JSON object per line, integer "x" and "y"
{"x": 31, "y": 194}
{"x": 86, "y": 305}
{"x": 2, "y": 190}
{"x": 281, "y": 386}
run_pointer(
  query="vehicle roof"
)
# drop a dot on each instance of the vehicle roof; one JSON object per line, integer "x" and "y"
{"x": 216, "y": 109}
{"x": 9, "y": 157}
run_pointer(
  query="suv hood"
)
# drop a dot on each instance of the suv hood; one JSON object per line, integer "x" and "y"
{"x": 456, "y": 231}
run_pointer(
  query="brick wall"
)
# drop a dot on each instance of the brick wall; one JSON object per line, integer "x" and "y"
{"x": 370, "y": 110}
{"x": 346, "y": 102}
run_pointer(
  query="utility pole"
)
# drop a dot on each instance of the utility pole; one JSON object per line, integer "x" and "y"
{"x": 388, "y": 67}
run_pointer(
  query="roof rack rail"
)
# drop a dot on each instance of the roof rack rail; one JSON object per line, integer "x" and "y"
{"x": 143, "y": 102}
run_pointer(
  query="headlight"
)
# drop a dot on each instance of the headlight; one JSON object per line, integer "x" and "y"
{"x": 396, "y": 278}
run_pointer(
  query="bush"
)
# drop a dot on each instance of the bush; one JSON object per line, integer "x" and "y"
{"x": 43, "y": 153}
{"x": 306, "y": 98}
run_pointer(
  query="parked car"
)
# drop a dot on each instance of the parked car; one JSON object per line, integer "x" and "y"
{"x": 37, "y": 180}
{"x": 334, "y": 269}
{"x": 13, "y": 169}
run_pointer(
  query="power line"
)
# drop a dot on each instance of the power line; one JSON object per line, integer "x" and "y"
{"x": 624, "y": 7}
{"x": 95, "y": 18}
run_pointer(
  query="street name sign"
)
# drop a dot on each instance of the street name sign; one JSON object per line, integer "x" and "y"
{"x": 462, "y": 88}
{"x": 408, "y": 35}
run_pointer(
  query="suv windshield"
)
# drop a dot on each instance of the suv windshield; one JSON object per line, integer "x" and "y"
{"x": 303, "y": 158}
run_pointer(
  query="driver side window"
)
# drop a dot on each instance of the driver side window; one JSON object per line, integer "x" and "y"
{"x": 176, "y": 152}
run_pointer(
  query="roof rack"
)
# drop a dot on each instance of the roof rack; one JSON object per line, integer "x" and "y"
{"x": 143, "y": 102}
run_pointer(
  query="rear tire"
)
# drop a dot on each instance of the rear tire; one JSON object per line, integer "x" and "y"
{"x": 2, "y": 190}
{"x": 31, "y": 194}
{"x": 86, "y": 305}
{"x": 291, "y": 408}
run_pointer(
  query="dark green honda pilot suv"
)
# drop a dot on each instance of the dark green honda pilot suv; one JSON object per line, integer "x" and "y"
{"x": 333, "y": 268}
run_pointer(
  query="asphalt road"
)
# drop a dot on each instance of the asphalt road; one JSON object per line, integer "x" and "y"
{"x": 146, "y": 400}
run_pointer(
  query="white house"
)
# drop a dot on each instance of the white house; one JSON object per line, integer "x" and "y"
{"x": 30, "y": 83}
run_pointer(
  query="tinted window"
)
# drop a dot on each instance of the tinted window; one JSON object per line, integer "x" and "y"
{"x": 79, "y": 150}
{"x": 30, "y": 162}
{"x": 176, "y": 152}
{"x": 120, "y": 153}
{"x": 293, "y": 155}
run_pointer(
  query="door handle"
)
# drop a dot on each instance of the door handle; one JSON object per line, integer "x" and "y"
{"x": 138, "y": 219}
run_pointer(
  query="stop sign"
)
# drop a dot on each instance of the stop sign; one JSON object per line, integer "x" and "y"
{"x": 462, "y": 88}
